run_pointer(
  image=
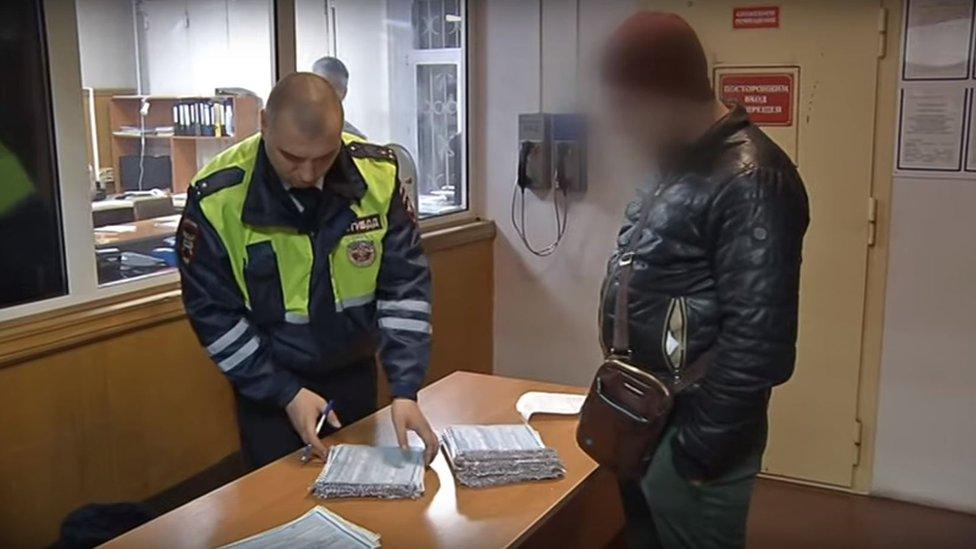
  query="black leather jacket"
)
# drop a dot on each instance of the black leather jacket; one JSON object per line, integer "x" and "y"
{"x": 717, "y": 264}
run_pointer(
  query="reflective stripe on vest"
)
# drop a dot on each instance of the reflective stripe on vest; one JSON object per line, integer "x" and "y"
{"x": 353, "y": 264}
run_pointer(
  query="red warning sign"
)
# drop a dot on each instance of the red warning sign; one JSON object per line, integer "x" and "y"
{"x": 755, "y": 17}
{"x": 768, "y": 98}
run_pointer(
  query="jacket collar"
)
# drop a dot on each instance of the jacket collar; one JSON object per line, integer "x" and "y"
{"x": 268, "y": 204}
{"x": 707, "y": 147}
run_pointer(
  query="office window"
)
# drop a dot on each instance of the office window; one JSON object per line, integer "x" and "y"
{"x": 31, "y": 248}
{"x": 167, "y": 86}
{"x": 406, "y": 84}
{"x": 436, "y": 24}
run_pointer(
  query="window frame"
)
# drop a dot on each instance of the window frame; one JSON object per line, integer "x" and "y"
{"x": 471, "y": 192}
{"x": 64, "y": 65}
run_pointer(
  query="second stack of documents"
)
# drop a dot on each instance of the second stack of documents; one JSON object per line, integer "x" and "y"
{"x": 493, "y": 455}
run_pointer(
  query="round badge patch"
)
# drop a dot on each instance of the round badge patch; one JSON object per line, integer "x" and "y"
{"x": 362, "y": 253}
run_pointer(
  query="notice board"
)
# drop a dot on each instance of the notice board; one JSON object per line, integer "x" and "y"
{"x": 767, "y": 97}
{"x": 770, "y": 94}
{"x": 935, "y": 96}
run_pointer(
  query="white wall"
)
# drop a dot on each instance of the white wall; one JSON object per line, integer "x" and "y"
{"x": 106, "y": 42}
{"x": 926, "y": 437}
{"x": 312, "y": 39}
{"x": 190, "y": 48}
{"x": 545, "y": 324}
{"x": 362, "y": 44}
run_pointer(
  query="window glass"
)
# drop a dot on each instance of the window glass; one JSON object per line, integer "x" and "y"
{"x": 404, "y": 84}
{"x": 31, "y": 248}
{"x": 436, "y": 24}
{"x": 167, "y": 86}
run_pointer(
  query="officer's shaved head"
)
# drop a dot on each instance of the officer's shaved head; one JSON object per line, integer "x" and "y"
{"x": 306, "y": 100}
{"x": 302, "y": 128}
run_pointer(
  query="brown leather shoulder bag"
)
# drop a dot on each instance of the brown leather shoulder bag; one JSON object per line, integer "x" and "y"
{"x": 627, "y": 408}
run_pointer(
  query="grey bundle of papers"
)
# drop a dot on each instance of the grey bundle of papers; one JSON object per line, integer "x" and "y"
{"x": 493, "y": 455}
{"x": 317, "y": 528}
{"x": 355, "y": 471}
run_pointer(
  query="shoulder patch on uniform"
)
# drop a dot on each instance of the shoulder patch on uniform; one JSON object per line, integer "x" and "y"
{"x": 361, "y": 149}
{"x": 189, "y": 237}
{"x": 221, "y": 179}
{"x": 408, "y": 205}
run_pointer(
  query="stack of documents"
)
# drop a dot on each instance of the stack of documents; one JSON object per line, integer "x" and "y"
{"x": 317, "y": 528}
{"x": 492, "y": 455}
{"x": 355, "y": 471}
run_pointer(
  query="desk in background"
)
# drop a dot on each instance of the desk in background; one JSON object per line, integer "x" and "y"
{"x": 128, "y": 235}
{"x": 580, "y": 510}
{"x": 139, "y": 248}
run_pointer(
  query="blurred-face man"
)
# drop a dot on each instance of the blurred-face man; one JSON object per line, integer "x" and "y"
{"x": 717, "y": 265}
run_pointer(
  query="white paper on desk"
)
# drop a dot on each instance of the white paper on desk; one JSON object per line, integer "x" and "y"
{"x": 170, "y": 224}
{"x": 317, "y": 528}
{"x": 110, "y": 204}
{"x": 116, "y": 229}
{"x": 538, "y": 402}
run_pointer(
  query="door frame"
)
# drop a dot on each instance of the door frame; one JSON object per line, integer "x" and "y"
{"x": 882, "y": 169}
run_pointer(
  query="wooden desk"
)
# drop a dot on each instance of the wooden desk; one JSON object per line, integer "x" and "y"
{"x": 157, "y": 228}
{"x": 581, "y": 510}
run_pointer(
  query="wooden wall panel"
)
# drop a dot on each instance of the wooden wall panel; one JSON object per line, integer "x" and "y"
{"x": 125, "y": 417}
{"x": 116, "y": 420}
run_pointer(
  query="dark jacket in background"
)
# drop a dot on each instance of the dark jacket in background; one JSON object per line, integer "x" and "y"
{"x": 717, "y": 264}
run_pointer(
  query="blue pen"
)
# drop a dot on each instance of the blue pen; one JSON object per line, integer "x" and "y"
{"x": 307, "y": 452}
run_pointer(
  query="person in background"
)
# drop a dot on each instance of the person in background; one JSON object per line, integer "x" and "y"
{"x": 300, "y": 262}
{"x": 29, "y": 248}
{"x": 335, "y": 71}
{"x": 717, "y": 265}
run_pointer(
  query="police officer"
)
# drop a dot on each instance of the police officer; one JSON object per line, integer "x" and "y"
{"x": 300, "y": 259}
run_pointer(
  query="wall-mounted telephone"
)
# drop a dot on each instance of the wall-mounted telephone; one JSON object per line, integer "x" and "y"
{"x": 568, "y": 133}
{"x": 551, "y": 154}
{"x": 534, "y": 152}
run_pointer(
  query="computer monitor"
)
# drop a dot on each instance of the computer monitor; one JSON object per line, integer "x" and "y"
{"x": 157, "y": 173}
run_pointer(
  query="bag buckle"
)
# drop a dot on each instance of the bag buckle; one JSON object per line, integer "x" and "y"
{"x": 619, "y": 353}
{"x": 626, "y": 258}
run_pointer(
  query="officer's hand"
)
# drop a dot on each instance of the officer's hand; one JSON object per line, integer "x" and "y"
{"x": 407, "y": 416}
{"x": 304, "y": 411}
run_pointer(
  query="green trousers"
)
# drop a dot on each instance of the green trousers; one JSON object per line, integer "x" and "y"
{"x": 666, "y": 511}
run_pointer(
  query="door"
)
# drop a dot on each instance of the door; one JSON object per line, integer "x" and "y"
{"x": 831, "y": 48}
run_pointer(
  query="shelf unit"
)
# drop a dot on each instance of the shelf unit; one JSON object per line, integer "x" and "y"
{"x": 124, "y": 111}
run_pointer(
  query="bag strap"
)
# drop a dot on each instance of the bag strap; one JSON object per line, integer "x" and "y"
{"x": 625, "y": 268}
{"x": 690, "y": 374}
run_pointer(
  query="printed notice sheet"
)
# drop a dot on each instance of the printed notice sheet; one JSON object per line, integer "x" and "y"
{"x": 937, "y": 40}
{"x": 931, "y": 128}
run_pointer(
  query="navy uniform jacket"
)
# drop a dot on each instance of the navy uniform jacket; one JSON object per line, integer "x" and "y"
{"x": 259, "y": 350}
